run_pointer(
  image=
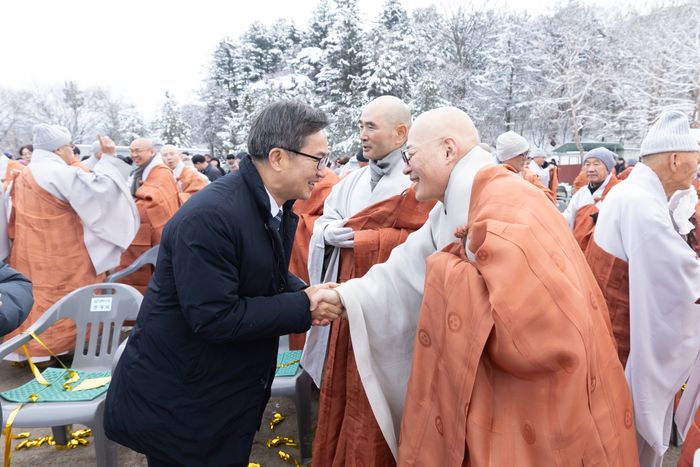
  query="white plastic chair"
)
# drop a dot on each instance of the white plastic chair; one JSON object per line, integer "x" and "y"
{"x": 150, "y": 256}
{"x": 297, "y": 388}
{"x": 98, "y": 335}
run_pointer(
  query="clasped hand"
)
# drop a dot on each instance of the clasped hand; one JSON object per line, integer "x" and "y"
{"x": 326, "y": 305}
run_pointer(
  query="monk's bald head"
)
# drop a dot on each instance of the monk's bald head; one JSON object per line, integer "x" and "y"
{"x": 142, "y": 151}
{"x": 170, "y": 155}
{"x": 438, "y": 139}
{"x": 384, "y": 125}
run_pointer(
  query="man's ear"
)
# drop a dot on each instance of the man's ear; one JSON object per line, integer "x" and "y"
{"x": 451, "y": 149}
{"x": 402, "y": 132}
{"x": 276, "y": 159}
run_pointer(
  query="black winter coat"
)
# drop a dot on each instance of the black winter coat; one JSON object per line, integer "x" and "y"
{"x": 195, "y": 376}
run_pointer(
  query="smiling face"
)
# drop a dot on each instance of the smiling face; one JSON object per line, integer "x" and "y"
{"x": 427, "y": 167}
{"x": 383, "y": 127}
{"x": 141, "y": 151}
{"x": 301, "y": 173}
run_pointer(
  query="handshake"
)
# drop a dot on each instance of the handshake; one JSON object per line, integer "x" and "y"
{"x": 326, "y": 305}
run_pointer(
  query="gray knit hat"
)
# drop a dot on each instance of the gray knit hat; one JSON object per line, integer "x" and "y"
{"x": 670, "y": 133}
{"x": 50, "y": 137}
{"x": 509, "y": 145}
{"x": 606, "y": 156}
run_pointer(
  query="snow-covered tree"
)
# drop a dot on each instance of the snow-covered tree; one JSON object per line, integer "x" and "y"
{"x": 170, "y": 126}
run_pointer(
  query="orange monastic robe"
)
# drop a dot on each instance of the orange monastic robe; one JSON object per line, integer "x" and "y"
{"x": 584, "y": 224}
{"x": 308, "y": 211}
{"x": 514, "y": 364}
{"x": 531, "y": 177}
{"x": 157, "y": 199}
{"x": 14, "y": 168}
{"x": 580, "y": 181}
{"x": 189, "y": 183}
{"x": 48, "y": 248}
{"x": 347, "y": 432}
{"x": 625, "y": 173}
{"x": 612, "y": 275}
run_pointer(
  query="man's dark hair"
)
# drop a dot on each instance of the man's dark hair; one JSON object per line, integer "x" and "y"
{"x": 185, "y": 153}
{"x": 76, "y": 151}
{"x": 197, "y": 158}
{"x": 230, "y": 156}
{"x": 283, "y": 124}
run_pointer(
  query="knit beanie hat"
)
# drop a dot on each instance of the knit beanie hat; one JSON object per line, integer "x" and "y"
{"x": 538, "y": 152}
{"x": 606, "y": 156}
{"x": 670, "y": 133}
{"x": 50, "y": 137}
{"x": 509, "y": 145}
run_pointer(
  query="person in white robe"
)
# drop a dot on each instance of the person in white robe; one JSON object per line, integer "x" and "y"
{"x": 598, "y": 164}
{"x": 538, "y": 157}
{"x": 383, "y": 341}
{"x": 634, "y": 225}
{"x": 381, "y": 179}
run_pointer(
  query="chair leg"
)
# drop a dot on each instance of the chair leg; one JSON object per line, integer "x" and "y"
{"x": 60, "y": 434}
{"x": 302, "y": 401}
{"x": 106, "y": 451}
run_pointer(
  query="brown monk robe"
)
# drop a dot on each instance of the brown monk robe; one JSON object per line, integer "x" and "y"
{"x": 345, "y": 418}
{"x": 580, "y": 181}
{"x": 625, "y": 173}
{"x": 308, "y": 211}
{"x": 43, "y": 227}
{"x": 531, "y": 177}
{"x": 157, "y": 200}
{"x": 190, "y": 182}
{"x": 690, "y": 444}
{"x": 514, "y": 364}
{"x": 584, "y": 223}
{"x": 13, "y": 169}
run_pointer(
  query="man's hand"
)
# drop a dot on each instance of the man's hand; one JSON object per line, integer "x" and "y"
{"x": 336, "y": 234}
{"x": 107, "y": 146}
{"x": 326, "y": 305}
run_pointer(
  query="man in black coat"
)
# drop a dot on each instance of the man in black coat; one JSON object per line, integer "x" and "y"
{"x": 205, "y": 168}
{"x": 16, "y": 299}
{"x": 195, "y": 376}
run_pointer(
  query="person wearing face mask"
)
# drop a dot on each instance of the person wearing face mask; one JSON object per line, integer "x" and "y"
{"x": 651, "y": 279}
{"x": 580, "y": 214}
{"x": 89, "y": 216}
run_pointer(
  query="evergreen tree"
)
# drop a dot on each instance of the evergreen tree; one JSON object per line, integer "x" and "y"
{"x": 171, "y": 126}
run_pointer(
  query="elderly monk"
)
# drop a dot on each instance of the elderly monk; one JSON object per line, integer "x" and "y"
{"x": 367, "y": 213}
{"x": 189, "y": 181}
{"x": 153, "y": 187}
{"x": 651, "y": 279}
{"x": 513, "y": 362}
{"x": 511, "y": 151}
{"x": 549, "y": 175}
{"x": 582, "y": 210}
{"x": 69, "y": 227}
{"x": 308, "y": 210}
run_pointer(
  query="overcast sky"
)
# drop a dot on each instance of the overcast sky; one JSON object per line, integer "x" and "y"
{"x": 140, "y": 49}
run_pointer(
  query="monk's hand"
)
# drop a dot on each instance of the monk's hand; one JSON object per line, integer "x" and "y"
{"x": 107, "y": 146}
{"x": 326, "y": 305}
{"x": 337, "y": 235}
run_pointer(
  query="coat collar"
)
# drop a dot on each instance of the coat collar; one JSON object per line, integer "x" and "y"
{"x": 254, "y": 182}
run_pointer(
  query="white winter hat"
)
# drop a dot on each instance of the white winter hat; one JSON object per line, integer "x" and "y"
{"x": 50, "y": 137}
{"x": 509, "y": 145}
{"x": 538, "y": 152}
{"x": 670, "y": 133}
{"x": 695, "y": 133}
{"x": 606, "y": 156}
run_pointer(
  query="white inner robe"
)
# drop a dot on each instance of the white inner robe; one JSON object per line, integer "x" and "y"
{"x": 583, "y": 197}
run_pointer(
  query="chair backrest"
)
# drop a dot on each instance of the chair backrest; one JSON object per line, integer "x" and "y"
{"x": 149, "y": 257}
{"x": 99, "y": 311}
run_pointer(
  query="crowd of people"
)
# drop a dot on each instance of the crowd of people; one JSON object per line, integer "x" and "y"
{"x": 448, "y": 311}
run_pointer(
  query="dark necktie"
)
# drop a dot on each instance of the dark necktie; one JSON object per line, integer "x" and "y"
{"x": 277, "y": 220}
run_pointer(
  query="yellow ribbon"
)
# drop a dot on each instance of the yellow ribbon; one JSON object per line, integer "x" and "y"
{"x": 282, "y": 365}
{"x": 37, "y": 374}
{"x": 8, "y": 434}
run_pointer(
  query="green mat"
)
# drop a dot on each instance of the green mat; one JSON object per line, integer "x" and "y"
{"x": 54, "y": 392}
{"x": 284, "y": 367}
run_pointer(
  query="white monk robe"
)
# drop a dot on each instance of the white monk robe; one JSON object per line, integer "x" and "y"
{"x": 101, "y": 198}
{"x": 635, "y": 226}
{"x": 541, "y": 172}
{"x": 348, "y": 197}
{"x": 581, "y": 198}
{"x": 383, "y": 341}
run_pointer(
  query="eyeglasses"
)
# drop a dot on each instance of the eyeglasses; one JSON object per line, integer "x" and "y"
{"x": 320, "y": 161}
{"x": 406, "y": 156}
{"x": 137, "y": 150}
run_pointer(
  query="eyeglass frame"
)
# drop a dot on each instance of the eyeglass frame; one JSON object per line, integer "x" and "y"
{"x": 407, "y": 157}
{"x": 320, "y": 161}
